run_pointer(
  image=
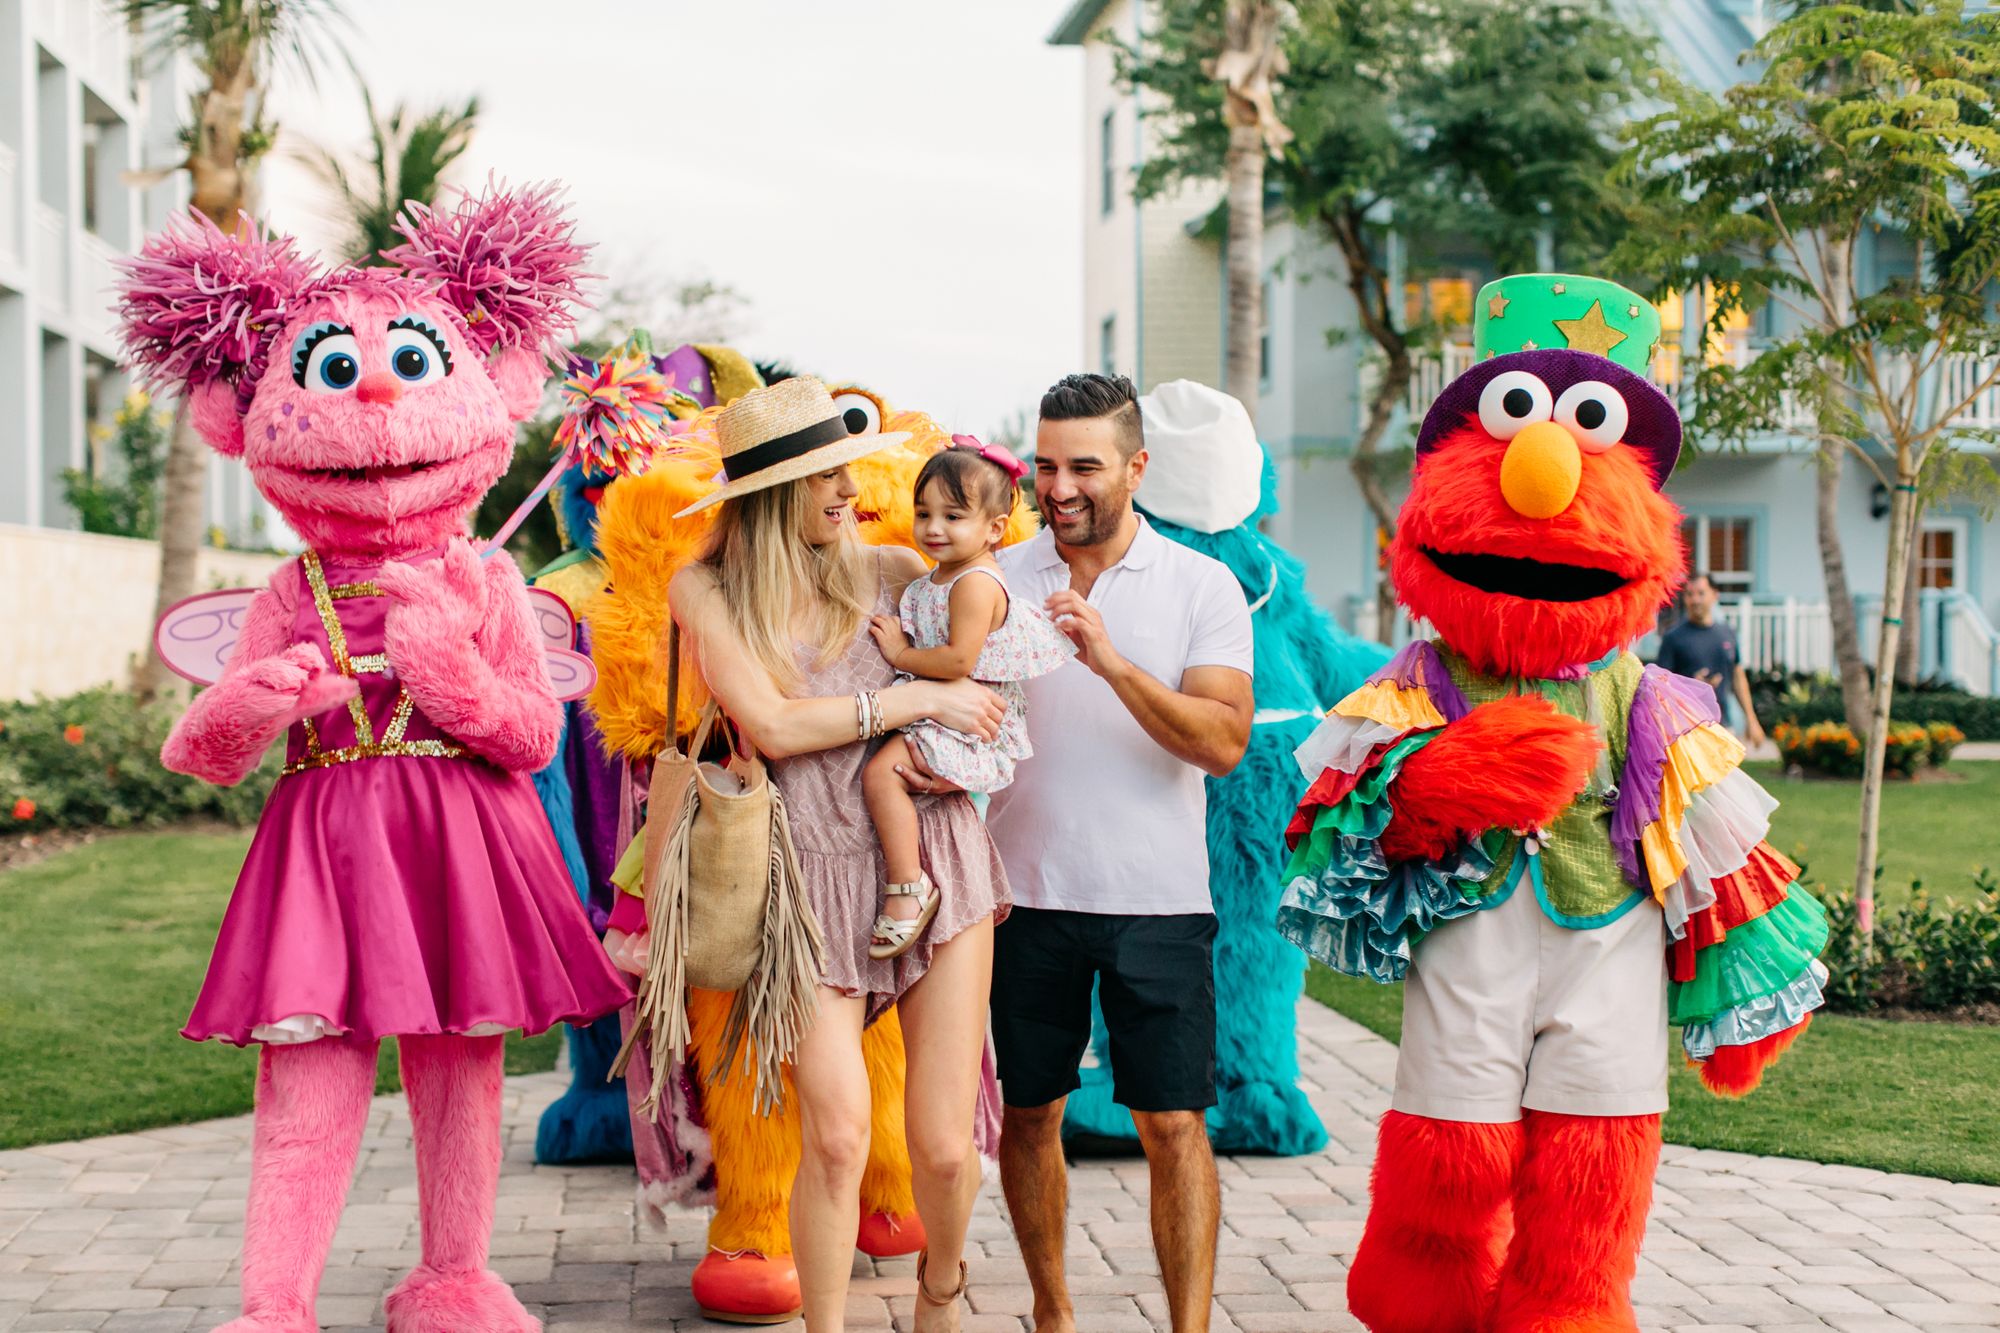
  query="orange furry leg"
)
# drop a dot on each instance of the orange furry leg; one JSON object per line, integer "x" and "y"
{"x": 1579, "y": 1217}
{"x": 1735, "y": 1071}
{"x": 889, "y": 1223}
{"x": 748, "y": 1275}
{"x": 1438, "y": 1223}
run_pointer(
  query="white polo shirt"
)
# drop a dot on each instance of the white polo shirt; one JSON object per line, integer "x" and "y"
{"x": 1101, "y": 819}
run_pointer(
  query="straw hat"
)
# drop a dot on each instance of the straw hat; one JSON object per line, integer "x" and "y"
{"x": 782, "y": 433}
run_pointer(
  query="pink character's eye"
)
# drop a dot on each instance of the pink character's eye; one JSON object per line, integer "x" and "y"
{"x": 326, "y": 359}
{"x": 417, "y": 352}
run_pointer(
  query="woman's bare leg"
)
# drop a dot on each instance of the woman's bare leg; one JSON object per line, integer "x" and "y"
{"x": 944, "y": 1033}
{"x": 831, "y": 1081}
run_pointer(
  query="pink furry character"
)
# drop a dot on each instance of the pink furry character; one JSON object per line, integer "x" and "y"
{"x": 403, "y": 881}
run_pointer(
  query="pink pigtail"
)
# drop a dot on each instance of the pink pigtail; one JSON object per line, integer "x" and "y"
{"x": 199, "y": 305}
{"x": 508, "y": 262}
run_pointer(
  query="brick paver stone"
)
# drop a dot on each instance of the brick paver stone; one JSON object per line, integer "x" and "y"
{"x": 138, "y": 1233}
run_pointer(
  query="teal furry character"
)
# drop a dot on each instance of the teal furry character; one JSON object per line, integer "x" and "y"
{"x": 1208, "y": 483}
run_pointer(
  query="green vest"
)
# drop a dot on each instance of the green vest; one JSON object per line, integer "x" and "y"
{"x": 1576, "y": 874}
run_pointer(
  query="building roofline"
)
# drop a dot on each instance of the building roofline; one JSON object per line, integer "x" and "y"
{"x": 1076, "y": 24}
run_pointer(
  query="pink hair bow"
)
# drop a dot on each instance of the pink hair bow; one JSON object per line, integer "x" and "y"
{"x": 992, "y": 453}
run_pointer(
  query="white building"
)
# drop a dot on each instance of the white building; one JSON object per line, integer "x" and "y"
{"x": 1154, "y": 310}
{"x": 79, "y": 111}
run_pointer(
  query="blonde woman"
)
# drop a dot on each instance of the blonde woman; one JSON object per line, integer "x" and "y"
{"x": 776, "y": 618}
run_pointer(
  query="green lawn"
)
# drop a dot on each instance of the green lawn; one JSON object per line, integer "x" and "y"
{"x": 1937, "y": 832}
{"x": 105, "y": 946}
{"x": 1915, "y": 1097}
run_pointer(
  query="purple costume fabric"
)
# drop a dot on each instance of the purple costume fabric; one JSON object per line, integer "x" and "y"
{"x": 1665, "y": 708}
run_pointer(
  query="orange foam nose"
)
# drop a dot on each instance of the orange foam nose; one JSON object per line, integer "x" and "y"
{"x": 378, "y": 388}
{"x": 1541, "y": 470}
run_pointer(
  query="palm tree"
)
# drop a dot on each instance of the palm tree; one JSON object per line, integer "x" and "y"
{"x": 235, "y": 45}
{"x": 1249, "y": 60}
{"x": 408, "y": 159}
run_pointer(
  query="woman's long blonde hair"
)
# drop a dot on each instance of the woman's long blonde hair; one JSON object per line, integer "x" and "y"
{"x": 781, "y": 589}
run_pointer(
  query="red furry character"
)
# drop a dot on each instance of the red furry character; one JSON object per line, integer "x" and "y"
{"x": 1554, "y": 845}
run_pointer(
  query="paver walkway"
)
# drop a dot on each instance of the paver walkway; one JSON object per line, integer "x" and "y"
{"x": 138, "y": 1234}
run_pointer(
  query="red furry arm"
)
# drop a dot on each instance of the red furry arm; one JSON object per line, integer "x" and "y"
{"x": 1735, "y": 1071}
{"x": 1510, "y": 763}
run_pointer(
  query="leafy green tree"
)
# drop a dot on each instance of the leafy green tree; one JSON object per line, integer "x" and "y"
{"x": 409, "y": 159}
{"x": 1488, "y": 121}
{"x": 1864, "y": 122}
{"x": 127, "y": 502}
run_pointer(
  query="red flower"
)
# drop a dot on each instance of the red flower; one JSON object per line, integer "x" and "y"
{"x": 73, "y": 734}
{"x": 24, "y": 809}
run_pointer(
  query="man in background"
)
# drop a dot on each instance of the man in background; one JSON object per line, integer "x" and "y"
{"x": 1705, "y": 648}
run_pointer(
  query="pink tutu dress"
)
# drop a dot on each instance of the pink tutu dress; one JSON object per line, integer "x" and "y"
{"x": 397, "y": 883}
{"x": 1026, "y": 645}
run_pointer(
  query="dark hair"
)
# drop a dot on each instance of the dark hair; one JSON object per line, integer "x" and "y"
{"x": 1087, "y": 396}
{"x": 969, "y": 481}
{"x": 1704, "y": 576}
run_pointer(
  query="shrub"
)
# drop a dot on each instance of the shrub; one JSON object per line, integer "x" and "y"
{"x": 1930, "y": 954}
{"x": 1830, "y": 748}
{"x": 1944, "y": 739}
{"x": 92, "y": 760}
{"x": 1802, "y": 699}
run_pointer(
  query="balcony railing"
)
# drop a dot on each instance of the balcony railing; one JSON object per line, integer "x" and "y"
{"x": 51, "y": 258}
{"x": 91, "y": 37}
{"x": 98, "y": 288}
{"x": 10, "y": 227}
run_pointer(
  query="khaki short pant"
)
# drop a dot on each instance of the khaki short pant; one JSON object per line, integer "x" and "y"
{"x": 1505, "y": 1010}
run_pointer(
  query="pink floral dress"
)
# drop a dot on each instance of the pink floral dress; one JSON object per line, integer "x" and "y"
{"x": 1026, "y": 645}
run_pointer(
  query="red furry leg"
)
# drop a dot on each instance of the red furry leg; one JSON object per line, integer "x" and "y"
{"x": 1579, "y": 1216}
{"x": 1438, "y": 1222}
{"x": 1735, "y": 1071}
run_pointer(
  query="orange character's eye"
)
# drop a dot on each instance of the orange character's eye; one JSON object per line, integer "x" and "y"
{"x": 862, "y": 410}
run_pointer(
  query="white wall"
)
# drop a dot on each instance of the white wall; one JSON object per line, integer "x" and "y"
{"x": 79, "y": 607}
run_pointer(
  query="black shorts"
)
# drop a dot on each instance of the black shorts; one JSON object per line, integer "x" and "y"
{"x": 1156, "y": 978}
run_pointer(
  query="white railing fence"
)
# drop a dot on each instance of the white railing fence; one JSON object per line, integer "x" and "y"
{"x": 1959, "y": 644}
{"x": 99, "y": 283}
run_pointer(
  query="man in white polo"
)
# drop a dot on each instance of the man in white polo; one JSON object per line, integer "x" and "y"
{"x": 1103, "y": 833}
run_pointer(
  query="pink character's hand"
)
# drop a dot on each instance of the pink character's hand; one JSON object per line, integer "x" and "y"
{"x": 433, "y": 609}
{"x": 297, "y": 683}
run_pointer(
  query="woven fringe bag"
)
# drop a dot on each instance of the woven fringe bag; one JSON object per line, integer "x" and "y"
{"x": 726, "y": 909}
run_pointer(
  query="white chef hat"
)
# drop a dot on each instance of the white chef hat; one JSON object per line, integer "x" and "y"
{"x": 1205, "y": 468}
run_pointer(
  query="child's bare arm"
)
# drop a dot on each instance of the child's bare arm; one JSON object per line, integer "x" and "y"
{"x": 978, "y": 607}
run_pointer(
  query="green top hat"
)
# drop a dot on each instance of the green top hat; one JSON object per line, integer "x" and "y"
{"x": 1530, "y": 311}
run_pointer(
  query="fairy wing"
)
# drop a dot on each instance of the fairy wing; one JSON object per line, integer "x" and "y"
{"x": 197, "y": 634}
{"x": 570, "y": 672}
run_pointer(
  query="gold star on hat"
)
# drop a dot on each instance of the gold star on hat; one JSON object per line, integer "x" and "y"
{"x": 1590, "y": 333}
{"x": 1497, "y": 307}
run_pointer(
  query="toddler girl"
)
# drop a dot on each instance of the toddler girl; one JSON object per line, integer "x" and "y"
{"x": 957, "y": 621}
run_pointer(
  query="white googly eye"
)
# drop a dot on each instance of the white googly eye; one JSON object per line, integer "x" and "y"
{"x": 862, "y": 411}
{"x": 1595, "y": 413}
{"x": 1512, "y": 400}
{"x": 417, "y": 353}
{"x": 326, "y": 359}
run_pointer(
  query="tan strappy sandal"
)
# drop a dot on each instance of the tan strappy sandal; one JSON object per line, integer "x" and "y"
{"x": 893, "y": 937}
{"x": 947, "y": 1301}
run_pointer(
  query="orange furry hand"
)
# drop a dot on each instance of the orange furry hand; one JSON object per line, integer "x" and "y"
{"x": 1513, "y": 763}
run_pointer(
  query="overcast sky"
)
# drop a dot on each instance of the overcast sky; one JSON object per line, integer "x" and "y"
{"x": 893, "y": 185}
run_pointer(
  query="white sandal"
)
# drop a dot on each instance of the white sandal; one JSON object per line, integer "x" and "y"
{"x": 893, "y": 936}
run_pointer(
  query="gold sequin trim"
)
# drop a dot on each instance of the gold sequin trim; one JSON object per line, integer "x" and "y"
{"x": 378, "y": 750}
{"x": 392, "y": 745}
